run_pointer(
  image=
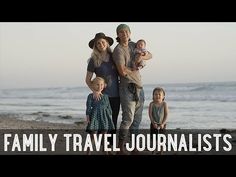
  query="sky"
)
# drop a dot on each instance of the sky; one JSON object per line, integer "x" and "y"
{"x": 55, "y": 54}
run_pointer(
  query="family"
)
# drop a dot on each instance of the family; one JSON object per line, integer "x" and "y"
{"x": 118, "y": 82}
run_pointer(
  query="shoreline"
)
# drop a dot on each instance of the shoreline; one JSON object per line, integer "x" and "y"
{"x": 11, "y": 122}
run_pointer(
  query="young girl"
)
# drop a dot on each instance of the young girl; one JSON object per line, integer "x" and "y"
{"x": 158, "y": 112}
{"x": 98, "y": 112}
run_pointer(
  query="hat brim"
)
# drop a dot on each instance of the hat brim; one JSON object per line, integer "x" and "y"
{"x": 109, "y": 40}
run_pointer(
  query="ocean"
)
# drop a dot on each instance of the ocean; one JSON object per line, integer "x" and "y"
{"x": 191, "y": 105}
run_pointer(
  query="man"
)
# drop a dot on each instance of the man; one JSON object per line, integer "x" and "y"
{"x": 131, "y": 88}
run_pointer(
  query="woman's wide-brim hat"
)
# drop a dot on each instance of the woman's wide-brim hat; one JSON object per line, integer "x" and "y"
{"x": 100, "y": 36}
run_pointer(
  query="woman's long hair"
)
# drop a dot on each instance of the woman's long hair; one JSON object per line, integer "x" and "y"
{"x": 97, "y": 56}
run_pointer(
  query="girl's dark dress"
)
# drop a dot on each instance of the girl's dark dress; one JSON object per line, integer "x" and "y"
{"x": 100, "y": 114}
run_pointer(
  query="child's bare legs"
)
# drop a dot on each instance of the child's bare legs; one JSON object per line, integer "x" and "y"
{"x": 88, "y": 152}
{"x": 156, "y": 130}
{"x": 103, "y": 146}
{"x": 134, "y": 66}
{"x": 160, "y": 131}
{"x": 141, "y": 64}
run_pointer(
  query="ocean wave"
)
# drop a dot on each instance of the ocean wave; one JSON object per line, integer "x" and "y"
{"x": 201, "y": 88}
{"x": 195, "y": 87}
{"x": 199, "y": 99}
{"x": 40, "y": 97}
{"x": 29, "y": 104}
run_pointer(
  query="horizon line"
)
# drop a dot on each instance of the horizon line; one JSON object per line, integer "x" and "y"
{"x": 167, "y": 83}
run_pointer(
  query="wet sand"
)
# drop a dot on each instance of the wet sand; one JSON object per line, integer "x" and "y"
{"x": 9, "y": 122}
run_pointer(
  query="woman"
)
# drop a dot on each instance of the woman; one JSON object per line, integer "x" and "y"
{"x": 101, "y": 64}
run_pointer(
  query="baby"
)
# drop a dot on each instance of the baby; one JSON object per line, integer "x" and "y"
{"x": 139, "y": 50}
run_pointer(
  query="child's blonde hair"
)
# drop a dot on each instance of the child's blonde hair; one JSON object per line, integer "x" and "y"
{"x": 159, "y": 89}
{"x": 97, "y": 79}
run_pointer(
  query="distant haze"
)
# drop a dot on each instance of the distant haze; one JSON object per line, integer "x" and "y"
{"x": 55, "y": 54}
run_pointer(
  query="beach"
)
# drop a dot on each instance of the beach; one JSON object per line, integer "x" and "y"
{"x": 10, "y": 122}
